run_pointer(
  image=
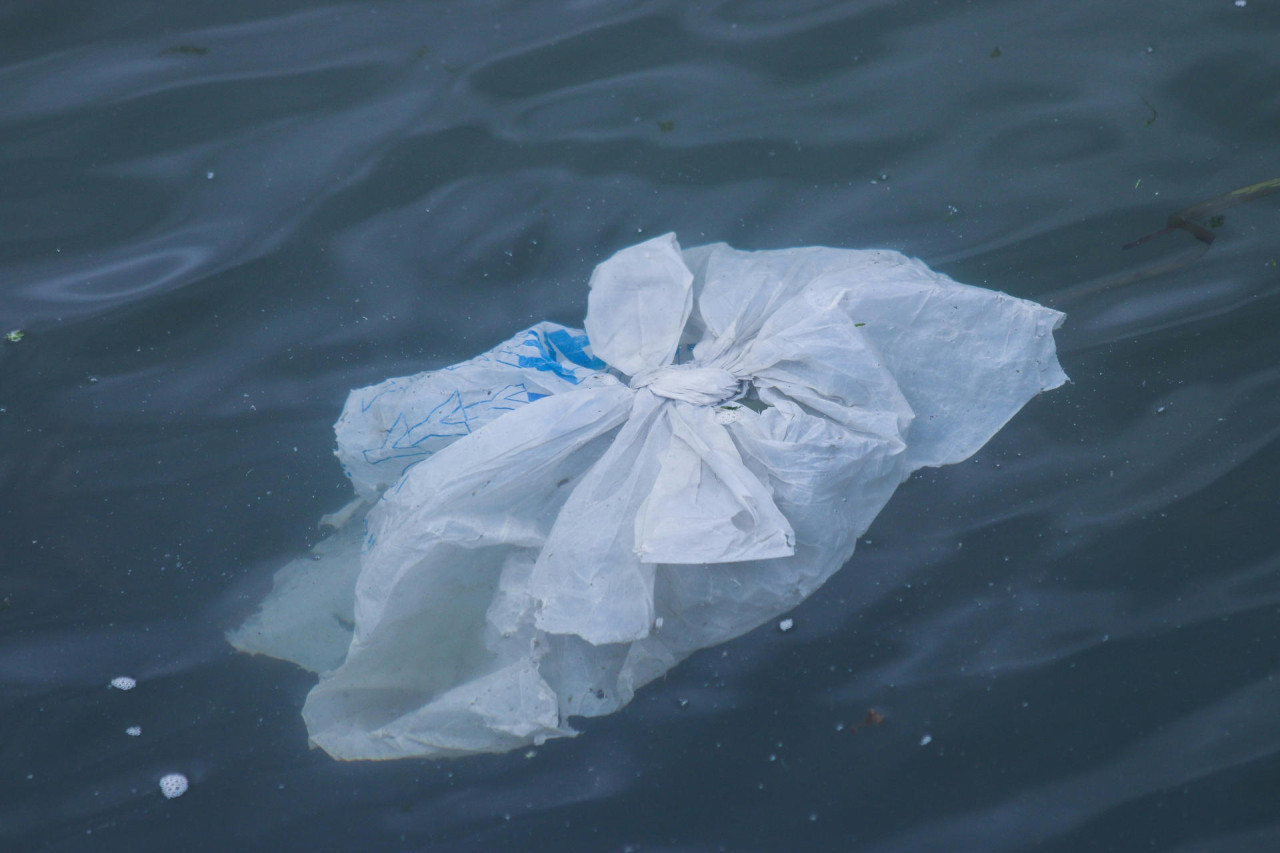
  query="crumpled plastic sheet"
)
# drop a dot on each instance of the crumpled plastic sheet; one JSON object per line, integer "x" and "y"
{"x": 542, "y": 530}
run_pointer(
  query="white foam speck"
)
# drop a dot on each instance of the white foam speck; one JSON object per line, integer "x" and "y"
{"x": 173, "y": 785}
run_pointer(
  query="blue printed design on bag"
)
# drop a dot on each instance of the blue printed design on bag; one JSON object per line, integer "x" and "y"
{"x": 431, "y": 410}
{"x": 454, "y": 417}
{"x": 574, "y": 348}
{"x": 538, "y": 351}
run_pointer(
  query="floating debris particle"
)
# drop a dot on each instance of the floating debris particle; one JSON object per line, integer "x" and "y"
{"x": 666, "y": 126}
{"x": 786, "y": 625}
{"x": 133, "y": 731}
{"x": 1188, "y": 220}
{"x": 871, "y": 718}
{"x": 185, "y": 50}
{"x": 15, "y": 335}
{"x": 1154, "y": 114}
{"x": 173, "y": 785}
{"x": 1185, "y": 219}
{"x": 123, "y": 682}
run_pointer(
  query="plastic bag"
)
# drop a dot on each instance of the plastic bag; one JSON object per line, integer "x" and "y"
{"x": 540, "y": 531}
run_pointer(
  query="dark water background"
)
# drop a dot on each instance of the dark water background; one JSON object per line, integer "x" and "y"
{"x": 216, "y": 218}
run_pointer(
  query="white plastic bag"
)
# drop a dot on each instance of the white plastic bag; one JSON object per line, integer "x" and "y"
{"x": 555, "y": 523}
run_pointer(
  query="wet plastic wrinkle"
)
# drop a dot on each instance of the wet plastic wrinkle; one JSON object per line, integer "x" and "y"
{"x": 542, "y": 538}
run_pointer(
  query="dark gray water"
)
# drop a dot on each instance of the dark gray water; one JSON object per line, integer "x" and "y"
{"x": 215, "y": 219}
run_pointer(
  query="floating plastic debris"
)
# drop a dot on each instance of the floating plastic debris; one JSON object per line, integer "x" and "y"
{"x": 123, "y": 682}
{"x": 572, "y": 487}
{"x": 133, "y": 731}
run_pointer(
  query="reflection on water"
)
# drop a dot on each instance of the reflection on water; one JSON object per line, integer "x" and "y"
{"x": 218, "y": 220}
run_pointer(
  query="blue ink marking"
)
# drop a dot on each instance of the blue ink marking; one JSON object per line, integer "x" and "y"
{"x": 387, "y": 437}
{"x": 545, "y": 358}
{"x": 574, "y": 348}
{"x": 556, "y": 351}
{"x": 419, "y": 455}
{"x": 452, "y": 412}
{"x": 391, "y": 386}
{"x": 516, "y": 392}
{"x": 444, "y": 420}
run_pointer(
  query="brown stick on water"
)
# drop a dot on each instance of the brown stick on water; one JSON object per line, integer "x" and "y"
{"x": 1183, "y": 220}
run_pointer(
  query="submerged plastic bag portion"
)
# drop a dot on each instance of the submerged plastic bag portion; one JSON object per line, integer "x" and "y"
{"x": 557, "y": 522}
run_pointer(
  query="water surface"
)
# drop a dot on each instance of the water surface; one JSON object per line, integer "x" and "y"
{"x": 218, "y": 218}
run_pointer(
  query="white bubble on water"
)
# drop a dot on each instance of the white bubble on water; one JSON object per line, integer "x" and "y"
{"x": 123, "y": 682}
{"x": 173, "y": 785}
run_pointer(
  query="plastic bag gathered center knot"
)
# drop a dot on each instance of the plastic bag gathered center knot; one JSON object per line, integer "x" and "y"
{"x": 534, "y": 540}
{"x": 701, "y": 386}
